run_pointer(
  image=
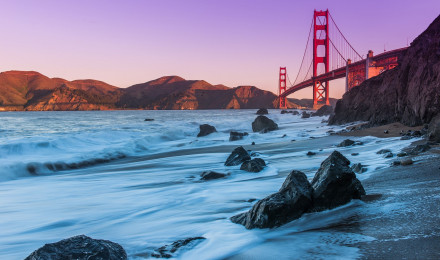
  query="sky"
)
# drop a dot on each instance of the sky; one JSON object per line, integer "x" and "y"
{"x": 230, "y": 42}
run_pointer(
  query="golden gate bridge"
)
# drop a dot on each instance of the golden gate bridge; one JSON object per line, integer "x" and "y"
{"x": 328, "y": 56}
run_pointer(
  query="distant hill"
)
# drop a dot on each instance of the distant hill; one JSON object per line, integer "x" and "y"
{"x": 30, "y": 90}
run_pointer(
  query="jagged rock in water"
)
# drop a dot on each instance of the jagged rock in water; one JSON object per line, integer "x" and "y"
{"x": 263, "y": 124}
{"x": 254, "y": 165}
{"x": 292, "y": 200}
{"x": 358, "y": 168}
{"x": 324, "y": 111}
{"x": 286, "y": 112}
{"x": 295, "y": 112}
{"x": 348, "y": 142}
{"x": 206, "y": 129}
{"x": 262, "y": 111}
{"x": 149, "y": 119}
{"x": 167, "y": 251}
{"x": 234, "y": 136}
{"x": 335, "y": 184}
{"x": 383, "y": 151}
{"x": 305, "y": 115}
{"x": 388, "y": 155}
{"x": 406, "y": 94}
{"x": 309, "y": 153}
{"x": 80, "y": 248}
{"x": 211, "y": 175}
{"x": 238, "y": 156}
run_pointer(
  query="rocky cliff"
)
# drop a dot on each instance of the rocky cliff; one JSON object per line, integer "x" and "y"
{"x": 28, "y": 90}
{"x": 408, "y": 93}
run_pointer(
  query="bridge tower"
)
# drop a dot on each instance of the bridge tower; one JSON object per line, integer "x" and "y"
{"x": 282, "y": 88}
{"x": 320, "y": 89}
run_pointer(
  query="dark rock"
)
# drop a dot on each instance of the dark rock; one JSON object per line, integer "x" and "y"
{"x": 388, "y": 155}
{"x": 292, "y": 200}
{"x": 284, "y": 135}
{"x": 324, "y": 111}
{"x": 421, "y": 148}
{"x": 238, "y": 156}
{"x": 234, "y": 136}
{"x": 263, "y": 124}
{"x": 355, "y": 154}
{"x": 386, "y": 132}
{"x": 167, "y": 251}
{"x": 434, "y": 129}
{"x": 396, "y": 163}
{"x": 295, "y": 112}
{"x": 346, "y": 142}
{"x": 406, "y": 94}
{"x": 383, "y": 151}
{"x": 416, "y": 133}
{"x": 262, "y": 111}
{"x": 211, "y": 175}
{"x": 402, "y": 154}
{"x": 309, "y": 153}
{"x": 405, "y": 138}
{"x": 254, "y": 165}
{"x": 253, "y": 143}
{"x": 285, "y": 112}
{"x": 206, "y": 129}
{"x": 408, "y": 161}
{"x": 81, "y": 248}
{"x": 149, "y": 119}
{"x": 305, "y": 115}
{"x": 358, "y": 168}
{"x": 335, "y": 183}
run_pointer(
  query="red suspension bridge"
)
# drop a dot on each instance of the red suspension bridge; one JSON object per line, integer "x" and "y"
{"x": 328, "y": 56}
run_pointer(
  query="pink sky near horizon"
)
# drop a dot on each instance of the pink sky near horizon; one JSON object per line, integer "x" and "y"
{"x": 230, "y": 42}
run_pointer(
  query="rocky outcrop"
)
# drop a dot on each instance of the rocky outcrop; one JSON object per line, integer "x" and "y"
{"x": 262, "y": 111}
{"x": 254, "y": 165}
{"x": 349, "y": 142}
{"x": 263, "y": 124}
{"x": 211, "y": 175}
{"x": 80, "y": 248}
{"x": 406, "y": 94}
{"x": 434, "y": 130}
{"x": 325, "y": 110}
{"x": 205, "y": 130}
{"x": 238, "y": 156}
{"x": 335, "y": 184}
{"x": 292, "y": 200}
{"x": 234, "y": 136}
{"x": 305, "y": 114}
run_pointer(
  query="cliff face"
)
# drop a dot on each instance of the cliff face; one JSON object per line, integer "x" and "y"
{"x": 408, "y": 93}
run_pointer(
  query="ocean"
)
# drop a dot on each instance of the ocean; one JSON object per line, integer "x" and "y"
{"x": 111, "y": 175}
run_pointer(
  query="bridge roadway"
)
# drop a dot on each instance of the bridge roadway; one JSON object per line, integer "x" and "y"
{"x": 380, "y": 60}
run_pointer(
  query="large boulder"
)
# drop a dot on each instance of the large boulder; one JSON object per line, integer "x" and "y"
{"x": 206, "y": 129}
{"x": 254, "y": 165}
{"x": 292, "y": 200}
{"x": 238, "y": 156}
{"x": 335, "y": 183}
{"x": 434, "y": 129}
{"x": 305, "y": 114}
{"x": 263, "y": 124}
{"x": 234, "y": 136}
{"x": 80, "y": 248}
{"x": 325, "y": 110}
{"x": 262, "y": 111}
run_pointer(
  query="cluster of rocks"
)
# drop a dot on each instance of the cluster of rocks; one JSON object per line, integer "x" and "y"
{"x": 240, "y": 156}
{"x": 293, "y": 112}
{"x": 334, "y": 184}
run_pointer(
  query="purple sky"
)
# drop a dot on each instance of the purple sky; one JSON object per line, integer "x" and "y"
{"x": 231, "y": 42}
